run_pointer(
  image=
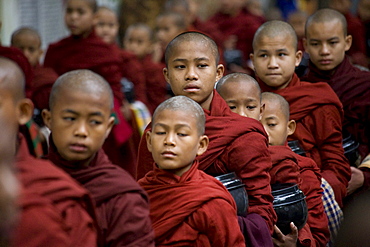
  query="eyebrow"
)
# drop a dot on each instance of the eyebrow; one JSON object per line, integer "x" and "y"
{"x": 98, "y": 113}
{"x": 332, "y": 38}
{"x": 234, "y": 100}
{"x": 177, "y": 126}
{"x": 195, "y": 59}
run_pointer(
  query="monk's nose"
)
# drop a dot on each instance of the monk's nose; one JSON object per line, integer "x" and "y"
{"x": 324, "y": 49}
{"x": 191, "y": 74}
{"x": 169, "y": 140}
{"x": 81, "y": 130}
{"x": 272, "y": 63}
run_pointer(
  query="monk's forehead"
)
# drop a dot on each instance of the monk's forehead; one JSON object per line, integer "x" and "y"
{"x": 278, "y": 104}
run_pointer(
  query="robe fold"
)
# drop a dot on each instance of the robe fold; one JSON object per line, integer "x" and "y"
{"x": 352, "y": 86}
{"x": 319, "y": 115}
{"x": 182, "y": 216}
{"x": 121, "y": 204}
{"x": 316, "y": 231}
{"x": 43, "y": 81}
{"x": 237, "y": 144}
{"x": 55, "y": 210}
{"x": 92, "y": 53}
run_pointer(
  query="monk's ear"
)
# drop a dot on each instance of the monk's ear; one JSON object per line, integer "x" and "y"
{"x": 165, "y": 73}
{"x": 251, "y": 56}
{"x": 220, "y": 72}
{"x": 25, "y": 110}
{"x": 298, "y": 57}
{"x": 46, "y": 116}
{"x": 149, "y": 140}
{"x": 348, "y": 41}
{"x": 291, "y": 127}
{"x": 262, "y": 109}
{"x": 110, "y": 126}
{"x": 203, "y": 144}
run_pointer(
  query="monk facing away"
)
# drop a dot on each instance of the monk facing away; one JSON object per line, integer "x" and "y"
{"x": 236, "y": 144}
{"x": 327, "y": 41}
{"x": 315, "y": 107}
{"x": 181, "y": 216}
{"x": 54, "y": 209}
{"x": 243, "y": 95}
{"x": 79, "y": 118}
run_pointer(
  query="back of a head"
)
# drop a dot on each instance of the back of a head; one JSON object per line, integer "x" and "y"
{"x": 80, "y": 80}
{"x": 192, "y": 37}
{"x": 326, "y": 15}
{"x": 185, "y": 105}
{"x": 12, "y": 78}
{"x": 240, "y": 78}
{"x": 276, "y": 100}
{"x": 274, "y": 29}
{"x": 25, "y": 31}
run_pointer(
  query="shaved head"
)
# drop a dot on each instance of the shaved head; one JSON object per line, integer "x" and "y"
{"x": 276, "y": 99}
{"x": 12, "y": 78}
{"x": 92, "y": 4}
{"x": 183, "y": 104}
{"x": 80, "y": 80}
{"x": 240, "y": 78}
{"x": 25, "y": 31}
{"x": 272, "y": 29}
{"x": 327, "y": 15}
{"x": 142, "y": 26}
{"x": 192, "y": 37}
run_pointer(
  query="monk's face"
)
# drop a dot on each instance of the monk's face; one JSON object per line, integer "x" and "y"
{"x": 275, "y": 123}
{"x": 192, "y": 71}
{"x": 79, "y": 122}
{"x": 326, "y": 44}
{"x": 79, "y": 17}
{"x": 166, "y": 30}
{"x": 106, "y": 26}
{"x": 243, "y": 98}
{"x": 274, "y": 60}
{"x": 30, "y": 45}
{"x": 174, "y": 141}
{"x": 137, "y": 41}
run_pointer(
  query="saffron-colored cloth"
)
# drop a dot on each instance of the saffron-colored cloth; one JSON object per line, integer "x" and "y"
{"x": 237, "y": 144}
{"x": 182, "y": 216}
{"x": 352, "y": 86}
{"x": 319, "y": 115}
{"x": 121, "y": 204}
{"x": 55, "y": 210}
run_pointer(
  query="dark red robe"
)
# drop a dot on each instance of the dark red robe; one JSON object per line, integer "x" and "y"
{"x": 55, "y": 210}
{"x": 316, "y": 231}
{"x": 92, "y": 53}
{"x": 182, "y": 216}
{"x": 121, "y": 204}
{"x": 43, "y": 81}
{"x": 318, "y": 114}
{"x": 237, "y": 144}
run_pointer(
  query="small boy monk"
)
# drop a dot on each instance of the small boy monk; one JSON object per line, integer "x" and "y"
{"x": 236, "y": 144}
{"x": 327, "y": 42}
{"x": 315, "y": 107}
{"x": 54, "y": 209}
{"x": 83, "y": 49}
{"x": 275, "y": 119}
{"x": 81, "y": 104}
{"x": 243, "y": 95}
{"x": 179, "y": 213}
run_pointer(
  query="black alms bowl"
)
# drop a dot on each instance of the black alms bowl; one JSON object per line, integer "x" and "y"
{"x": 290, "y": 206}
{"x": 237, "y": 190}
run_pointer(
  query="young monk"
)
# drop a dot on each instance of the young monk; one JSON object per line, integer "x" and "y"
{"x": 277, "y": 123}
{"x": 327, "y": 42}
{"x": 80, "y": 119}
{"x": 315, "y": 107}
{"x": 179, "y": 213}
{"x": 243, "y": 95}
{"x": 236, "y": 145}
{"x": 83, "y": 49}
{"x": 54, "y": 209}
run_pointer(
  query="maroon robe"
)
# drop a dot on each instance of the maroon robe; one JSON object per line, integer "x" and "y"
{"x": 92, "y": 53}
{"x": 55, "y": 210}
{"x": 318, "y": 114}
{"x": 209, "y": 28}
{"x": 121, "y": 204}
{"x": 43, "y": 81}
{"x": 316, "y": 231}
{"x": 182, "y": 216}
{"x": 237, "y": 144}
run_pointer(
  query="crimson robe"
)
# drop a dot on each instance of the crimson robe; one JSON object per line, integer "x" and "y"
{"x": 43, "y": 81}
{"x": 237, "y": 144}
{"x": 182, "y": 216}
{"x": 318, "y": 114}
{"x": 121, "y": 204}
{"x": 209, "y": 28}
{"x": 316, "y": 231}
{"x": 243, "y": 26}
{"x": 55, "y": 210}
{"x": 75, "y": 52}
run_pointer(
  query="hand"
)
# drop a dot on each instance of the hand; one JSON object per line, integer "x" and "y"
{"x": 289, "y": 240}
{"x": 357, "y": 180}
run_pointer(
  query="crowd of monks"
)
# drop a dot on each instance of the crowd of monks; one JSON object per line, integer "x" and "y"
{"x": 116, "y": 143}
